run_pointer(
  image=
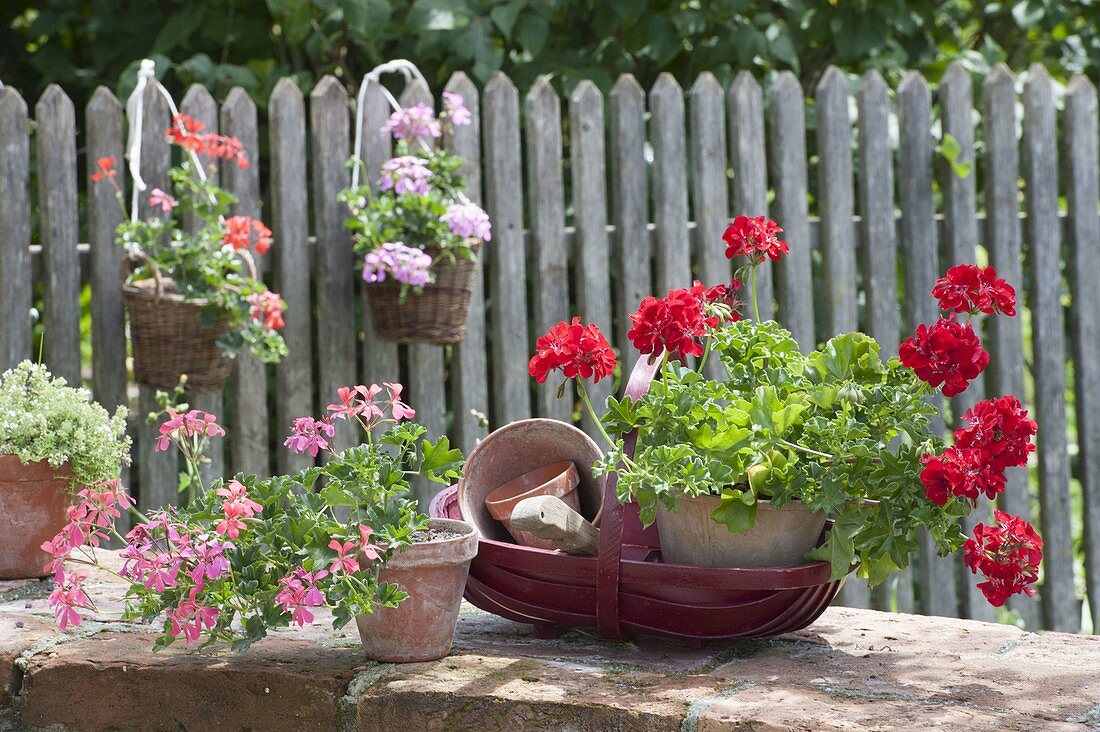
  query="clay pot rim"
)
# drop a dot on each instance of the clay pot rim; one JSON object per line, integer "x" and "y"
{"x": 453, "y": 550}
{"x": 566, "y": 468}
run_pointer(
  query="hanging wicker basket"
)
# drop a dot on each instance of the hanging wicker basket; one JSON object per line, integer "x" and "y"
{"x": 437, "y": 315}
{"x": 171, "y": 338}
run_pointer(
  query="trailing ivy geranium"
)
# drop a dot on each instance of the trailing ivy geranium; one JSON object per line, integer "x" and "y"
{"x": 211, "y": 260}
{"x": 418, "y": 215}
{"x": 839, "y": 429}
{"x": 250, "y": 554}
{"x": 43, "y": 418}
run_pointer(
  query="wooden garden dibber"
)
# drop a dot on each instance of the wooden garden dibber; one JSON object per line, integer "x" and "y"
{"x": 548, "y": 517}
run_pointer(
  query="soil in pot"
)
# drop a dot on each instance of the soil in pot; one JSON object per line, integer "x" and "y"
{"x": 559, "y": 479}
{"x": 33, "y": 499}
{"x": 433, "y": 571}
{"x": 779, "y": 538}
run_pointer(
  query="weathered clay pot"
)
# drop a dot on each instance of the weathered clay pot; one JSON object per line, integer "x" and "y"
{"x": 33, "y": 499}
{"x": 518, "y": 448}
{"x": 422, "y": 626}
{"x": 558, "y": 479}
{"x": 779, "y": 538}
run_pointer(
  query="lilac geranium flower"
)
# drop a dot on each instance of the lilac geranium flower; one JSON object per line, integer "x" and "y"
{"x": 407, "y": 265}
{"x": 455, "y": 109}
{"x": 406, "y": 174}
{"x": 468, "y": 221}
{"x": 413, "y": 122}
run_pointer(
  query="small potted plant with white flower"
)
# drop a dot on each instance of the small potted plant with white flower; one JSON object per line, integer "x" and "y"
{"x": 418, "y": 234}
{"x": 56, "y": 447}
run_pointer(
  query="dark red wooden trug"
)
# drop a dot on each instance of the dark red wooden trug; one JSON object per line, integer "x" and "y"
{"x": 626, "y": 588}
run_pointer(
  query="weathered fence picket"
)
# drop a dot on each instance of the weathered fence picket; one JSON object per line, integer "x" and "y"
{"x": 1002, "y": 237}
{"x": 56, "y": 121}
{"x": 504, "y": 204}
{"x": 198, "y": 104}
{"x": 961, "y": 235}
{"x": 745, "y": 104}
{"x": 546, "y": 213}
{"x": 667, "y": 171}
{"x": 1048, "y": 347}
{"x": 630, "y": 205}
{"x": 469, "y": 369}
{"x": 920, "y": 255}
{"x": 1082, "y": 139}
{"x": 787, "y": 156}
{"x": 591, "y": 247}
{"x": 248, "y": 416}
{"x": 156, "y": 471}
{"x": 291, "y": 256}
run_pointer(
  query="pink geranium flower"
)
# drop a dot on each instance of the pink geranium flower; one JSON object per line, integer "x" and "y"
{"x": 345, "y": 557}
{"x": 189, "y": 424}
{"x": 309, "y": 435}
{"x": 299, "y": 593}
{"x": 369, "y": 550}
{"x": 191, "y": 617}
{"x": 400, "y": 409}
{"x": 67, "y": 596}
{"x": 162, "y": 200}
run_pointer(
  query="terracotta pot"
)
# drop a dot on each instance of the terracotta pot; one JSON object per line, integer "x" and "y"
{"x": 33, "y": 499}
{"x": 518, "y": 448}
{"x": 558, "y": 479}
{"x": 422, "y": 626}
{"x": 779, "y": 538}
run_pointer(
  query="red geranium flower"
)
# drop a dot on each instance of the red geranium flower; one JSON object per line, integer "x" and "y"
{"x": 106, "y": 167}
{"x": 754, "y": 238}
{"x": 576, "y": 349}
{"x": 672, "y": 323}
{"x": 962, "y": 472}
{"x": 1007, "y": 554}
{"x": 187, "y": 133}
{"x": 724, "y": 294}
{"x": 1002, "y": 429}
{"x": 968, "y": 288}
{"x": 239, "y": 231}
{"x": 946, "y": 353}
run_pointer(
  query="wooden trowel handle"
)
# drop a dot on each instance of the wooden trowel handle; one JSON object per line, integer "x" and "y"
{"x": 548, "y": 517}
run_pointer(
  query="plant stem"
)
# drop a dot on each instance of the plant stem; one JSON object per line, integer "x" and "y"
{"x": 807, "y": 450}
{"x": 592, "y": 413}
{"x": 752, "y": 290}
{"x": 706, "y": 353}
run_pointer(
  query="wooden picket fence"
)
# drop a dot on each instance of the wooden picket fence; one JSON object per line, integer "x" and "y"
{"x": 651, "y": 194}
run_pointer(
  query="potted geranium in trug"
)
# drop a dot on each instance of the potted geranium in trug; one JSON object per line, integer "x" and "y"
{"x": 745, "y": 470}
{"x": 57, "y": 446}
{"x": 250, "y": 555}
{"x": 192, "y": 292}
{"x": 418, "y": 234}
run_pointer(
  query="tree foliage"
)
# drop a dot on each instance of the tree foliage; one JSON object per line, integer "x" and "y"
{"x": 225, "y": 43}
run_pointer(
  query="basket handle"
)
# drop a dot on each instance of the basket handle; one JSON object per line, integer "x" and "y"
{"x": 608, "y": 561}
